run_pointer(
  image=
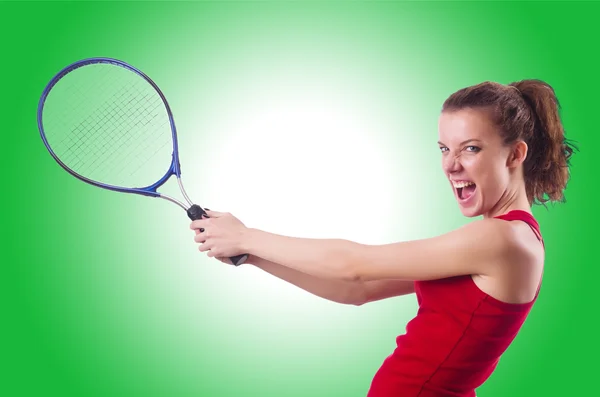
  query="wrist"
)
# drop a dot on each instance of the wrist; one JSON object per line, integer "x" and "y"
{"x": 248, "y": 242}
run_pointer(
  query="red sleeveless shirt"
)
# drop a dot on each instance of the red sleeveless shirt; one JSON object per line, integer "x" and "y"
{"x": 456, "y": 339}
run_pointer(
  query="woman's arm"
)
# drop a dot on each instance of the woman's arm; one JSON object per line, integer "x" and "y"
{"x": 481, "y": 247}
{"x": 344, "y": 292}
{"x": 472, "y": 249}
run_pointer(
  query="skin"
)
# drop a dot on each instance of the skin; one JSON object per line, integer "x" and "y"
{"x": 505, "y": 259}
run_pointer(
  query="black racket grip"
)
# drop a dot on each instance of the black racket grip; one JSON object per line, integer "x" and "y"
{"x": 196, "y": 212}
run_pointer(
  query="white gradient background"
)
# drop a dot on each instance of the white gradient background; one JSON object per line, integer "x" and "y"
{"x": 295, "y": 133}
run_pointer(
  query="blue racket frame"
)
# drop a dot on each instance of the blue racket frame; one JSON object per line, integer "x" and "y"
{"x": 151, "y": 190}
{"x": 194, "y": 211}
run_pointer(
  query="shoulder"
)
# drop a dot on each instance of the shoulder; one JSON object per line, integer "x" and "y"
{"x": 512, "y": 274}
{"x": 478, "y": 248}
{"x": 507, "y": 242}
{"x": 489, "y": 233}
{"x": 496, "y": 241}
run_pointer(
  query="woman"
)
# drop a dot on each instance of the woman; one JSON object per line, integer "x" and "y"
{"x": 503, "y": 149}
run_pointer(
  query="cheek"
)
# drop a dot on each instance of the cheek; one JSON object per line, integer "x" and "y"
{"x": 487, "y": 171}
{"x": 494, "y": 178}
{"x": 476, "y": 167}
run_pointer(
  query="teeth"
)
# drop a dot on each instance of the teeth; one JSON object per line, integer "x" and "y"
{"x": 461, "y": 184}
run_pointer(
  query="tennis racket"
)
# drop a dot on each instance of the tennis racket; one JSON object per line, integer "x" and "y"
{"x": 109, "y": 125}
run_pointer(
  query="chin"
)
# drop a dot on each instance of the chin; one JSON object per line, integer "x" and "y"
{"x": 470, "y": 212}
{"x": 469, "y": 206}
{"x": 472, "y": 209}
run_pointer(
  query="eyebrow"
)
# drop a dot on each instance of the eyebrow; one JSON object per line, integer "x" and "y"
{"x": 463, "y": 142}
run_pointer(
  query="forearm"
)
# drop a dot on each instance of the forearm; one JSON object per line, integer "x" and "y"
{"x": 322, "y": 258}
{"x": 345, "y": 292}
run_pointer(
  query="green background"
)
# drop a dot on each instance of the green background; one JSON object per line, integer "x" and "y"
{"x": 105, "y": 294}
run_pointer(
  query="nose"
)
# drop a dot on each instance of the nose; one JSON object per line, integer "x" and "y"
{"x": 451, "y": 163}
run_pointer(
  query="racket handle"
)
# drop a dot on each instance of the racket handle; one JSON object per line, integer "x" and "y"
{"x": 196, "y": 212}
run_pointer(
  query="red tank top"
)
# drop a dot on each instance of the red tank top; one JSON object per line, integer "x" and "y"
{"x": 456, "y": 339}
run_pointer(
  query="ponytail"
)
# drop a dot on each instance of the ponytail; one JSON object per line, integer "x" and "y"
{"x": 546, "y": 167}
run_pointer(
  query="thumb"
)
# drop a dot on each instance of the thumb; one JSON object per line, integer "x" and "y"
{"x": 214, "y": 214}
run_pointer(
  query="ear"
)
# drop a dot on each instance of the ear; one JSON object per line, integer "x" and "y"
{"x": 517, "y": 155}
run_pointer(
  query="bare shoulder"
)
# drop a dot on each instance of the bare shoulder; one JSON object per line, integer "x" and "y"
{"x": 510, "y": 240}
{"x": 520, "y": 243}
{"x": 486, "y": 243}
{"x": 515, "y": 274}
{"x": 483, "y": 248}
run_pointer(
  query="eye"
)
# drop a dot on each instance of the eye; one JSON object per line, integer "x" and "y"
{"x": 443, "y": 149}
{"x": 474, "y": 149}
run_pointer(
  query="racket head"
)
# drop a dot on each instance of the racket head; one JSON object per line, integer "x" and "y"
{"x": 108, "y": 124}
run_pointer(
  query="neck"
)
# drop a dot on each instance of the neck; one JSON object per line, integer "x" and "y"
{"x": 512, "y": 199}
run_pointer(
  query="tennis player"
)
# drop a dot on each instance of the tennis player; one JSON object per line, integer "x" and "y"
{"x": 503, "y": 150}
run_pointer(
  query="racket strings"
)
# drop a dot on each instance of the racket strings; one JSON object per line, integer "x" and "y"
{"x": 108, "y": 124}
{"x": 133, "y": 148}
{"x": 79, "y": 139}
{"x": 77, "y": 101}
{"x": 80, "y": 149}
{"x": 105, "y": 116}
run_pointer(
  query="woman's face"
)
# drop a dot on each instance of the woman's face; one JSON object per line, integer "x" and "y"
{"x": 474, "y": 159}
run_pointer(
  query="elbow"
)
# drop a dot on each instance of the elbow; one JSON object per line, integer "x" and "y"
{"x": 355, "y": 295}
{"x": 348, "y": 269}
{"x": 353, "y": 264}
{"x": 348, "y": 300}
{"x": 358, "y": 302}
{"x": 351, "y": 301}
{"x": 355, "y": 275}
{"x": 361, "y": 294}
{"x": 345, "y": 262}
{"x": 349, "y": 273}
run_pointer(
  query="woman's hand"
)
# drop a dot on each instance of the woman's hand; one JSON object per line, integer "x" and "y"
{"x": 221, "y": 235}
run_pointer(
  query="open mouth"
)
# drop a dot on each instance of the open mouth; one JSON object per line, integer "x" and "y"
{"x": 464, "y": 190}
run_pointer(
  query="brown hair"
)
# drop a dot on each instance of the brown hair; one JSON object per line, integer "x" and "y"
{"x": 526, "y": 110}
